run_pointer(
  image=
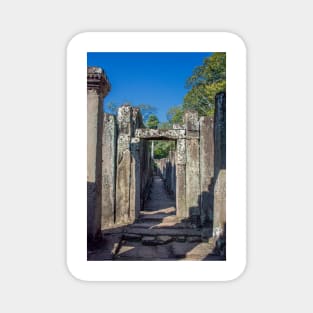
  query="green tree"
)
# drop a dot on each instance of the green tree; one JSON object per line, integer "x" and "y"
{"x": 152, "y": 121}
{"x": 205, "y": 82}
{"x": 162, "y": 148}
{"x": 175, "y": 114}
{"x": 146, "y": 110}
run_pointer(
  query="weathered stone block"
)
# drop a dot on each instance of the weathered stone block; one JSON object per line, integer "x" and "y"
{"x": 135, "y": 180}
{"x": 192, "y": 178}
{"x": 108, "y": 170}
{"x": 220, "y": 205}
{"x": 191, "y": 121}
{"x": 181, "y": 178}
{"x": 159, "y": 134}
{"x": 123, "y": 171}
{"x": 206, "y": 167}
{"x": 97, "y": 87}
{"x": 122, "y": 187}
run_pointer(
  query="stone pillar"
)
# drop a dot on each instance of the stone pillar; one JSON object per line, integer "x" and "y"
{"x": 192, "y": 166}
{"x": 181, "y": 179}
{"x": 135, "y": 182}
{"x": 206, "y": 168}
{"x": 97, "y": 88}
{"x": 219, "y": 214}
{"x": 123, "y": 170}
{"x": 108, "y": 170}
{"x": 173, "y": 172}
{"x": 220, "y": 132}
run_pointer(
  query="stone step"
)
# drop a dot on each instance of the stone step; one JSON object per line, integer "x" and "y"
{"x": 168, "y": 251}
{"x": 159, "y": 224}
{"x": 163, "y": 231}
{"x": 159, "y": 217}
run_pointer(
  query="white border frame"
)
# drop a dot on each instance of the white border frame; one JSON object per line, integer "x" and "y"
{"x": 77, "y": 156}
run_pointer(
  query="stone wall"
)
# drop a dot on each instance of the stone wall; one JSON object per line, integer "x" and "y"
{"x": 133, "y": 166}
{"x": 120, "y": 167}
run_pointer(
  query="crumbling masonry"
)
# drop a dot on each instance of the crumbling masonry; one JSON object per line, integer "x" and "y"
{"x": 120, "y": 167}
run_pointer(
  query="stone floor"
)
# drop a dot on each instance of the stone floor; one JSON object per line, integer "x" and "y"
{"x": 158, "y": 234}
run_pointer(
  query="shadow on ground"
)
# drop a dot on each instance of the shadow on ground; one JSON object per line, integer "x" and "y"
{"x": 157, "y": 235}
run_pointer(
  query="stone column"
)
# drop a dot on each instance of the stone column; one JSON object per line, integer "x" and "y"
{"x": 206, "y": 168}
{"x": 173, "y": 172}
{"x": 97, "y": 88}
{"x": 219, "y": 213}
{"x": 108, "y": 170}
{"x": 123, "y": 171}
{"x": 220, "y": 132}
{"x": 181, "y": 179}
{"x": 192, "y": 166}
{"x": 135, "y": 182}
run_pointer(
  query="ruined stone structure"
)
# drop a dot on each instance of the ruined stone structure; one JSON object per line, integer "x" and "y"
{"x": 97, "y": 88}
{"x": 120, "y": 167}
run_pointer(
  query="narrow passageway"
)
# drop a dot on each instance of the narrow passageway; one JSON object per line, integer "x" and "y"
{"x": 157, "y": 234}
{"x": 159, "y": 202}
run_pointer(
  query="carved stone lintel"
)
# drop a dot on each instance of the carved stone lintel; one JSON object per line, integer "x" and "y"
{"x": 159, "y": 134}
{"x": 98, "y": 81}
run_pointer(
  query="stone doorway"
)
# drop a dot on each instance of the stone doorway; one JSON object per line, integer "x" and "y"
{"x": 163, "y": 185}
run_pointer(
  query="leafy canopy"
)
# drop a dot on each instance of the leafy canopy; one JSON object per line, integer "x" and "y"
{"x": 152, "y": 121}
{"x": 205, "y": 82}
{"x": 162, "y": 148}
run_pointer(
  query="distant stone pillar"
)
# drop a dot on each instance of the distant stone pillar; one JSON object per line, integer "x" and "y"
{"x": 97, "y": 88}
{"x": 108, "y": 170}
{"x": 192, "y": 166}
{"x": 206, "y": 168}
{"x": 173, "y": 172}
{"x": 181, "y": 179}
{"x": 219, "y": 214}
{"x": 123, "y": 171}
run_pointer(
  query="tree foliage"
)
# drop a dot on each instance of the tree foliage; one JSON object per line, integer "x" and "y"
{"x": 162, "y": 148}
{"x": 152, "y": 121}
{"x": 205, "y": 82}
{"x": 146, "y": 110}
{"x": 175, "y": 114}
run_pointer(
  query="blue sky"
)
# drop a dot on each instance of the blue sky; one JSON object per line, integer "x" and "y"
{"x": 157, "y": 79}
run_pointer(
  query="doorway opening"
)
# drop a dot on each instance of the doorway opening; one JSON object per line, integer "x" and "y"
{"x": 161, "y": 199}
